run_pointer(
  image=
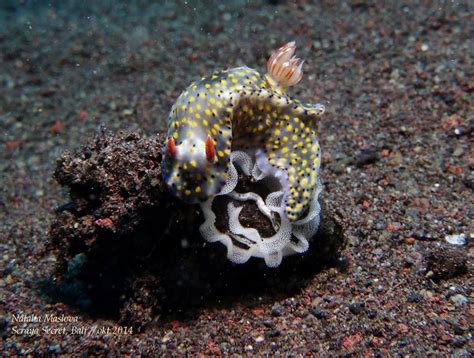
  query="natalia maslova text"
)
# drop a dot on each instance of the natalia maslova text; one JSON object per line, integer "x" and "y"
{"x": 52, "y": 324}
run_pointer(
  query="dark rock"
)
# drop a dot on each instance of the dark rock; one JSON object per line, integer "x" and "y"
{"x": 445, "y": 261}
{"x": 356, "y": 308}
{"x": 459, "y": 342}
{"x": 318, "y": 313}
{"x": 269, "y": 323}
{"x": 366, "y": 156}
{"x": 414, "y": 297}
{"x": 371, "y": 314}
{"x": 342, "y": 263}
{"x": 273, "y": 333}
{"x": 277, "y": 310}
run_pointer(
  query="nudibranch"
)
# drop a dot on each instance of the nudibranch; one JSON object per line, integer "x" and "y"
{"x": 241, "y": 110}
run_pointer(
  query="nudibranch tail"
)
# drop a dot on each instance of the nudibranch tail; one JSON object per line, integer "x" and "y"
{"x": 283, "y": 67}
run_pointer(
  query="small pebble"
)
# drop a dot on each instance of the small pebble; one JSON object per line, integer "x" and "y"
{"x": 249, "y": 348}
{"x": 414, "y": 297}
{"x": 277, "y": 310}
{"x": 409, "y": 240}
{"x": 318, "y": 313}
{"x": 459, "y": 239}
{"x": 273, "y": 333}
{"x": 371, "y": 314}
{"x": 356, "y": 308}
{"x": 459, "y": 300}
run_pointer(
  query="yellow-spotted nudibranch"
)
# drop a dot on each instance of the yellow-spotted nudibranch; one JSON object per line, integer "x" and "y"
{"x": 240, "y": 109}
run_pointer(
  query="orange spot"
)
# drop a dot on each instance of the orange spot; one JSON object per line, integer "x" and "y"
{"x": 171, "y": 145}
{"x": 174, "y": 325}
{"x": 455, "y": 170}
{"x": 258, "y": 312}
{"x": 82, "y": 115}
{"x": 56, "y": 127}
{"x": 106, "y": 223}
{"x": 13, "y": 144}
{"x": 210, "y": 149}
{"x": 391, "y": 227}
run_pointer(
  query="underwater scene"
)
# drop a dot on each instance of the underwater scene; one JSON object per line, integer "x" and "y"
{"x": 236, "y": 178}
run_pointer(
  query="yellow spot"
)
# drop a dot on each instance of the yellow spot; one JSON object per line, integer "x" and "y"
{"x": 190, "y": 109}
{"x": 285, "y": 150}
{"x": 207, "y": 85}
{"x": 175, "y": 135}
{"x": 220, "y": 104}
{"x": 277, "y": 132}
{"x": 287, "y": 117}
{"x": 212, "y": 101}
{"x": 296, "y": 119}
{"x": 191, "y": 99}
{"x": 207, "y": 111}
{"x": 197, "y": 116}
{"x": 220, "y": 153}
{"x": 304, "y": 181}
{"x": 233, "y": 80}
{"x": 289, "y": 127}
{"x": 285, "y": 139}
{"x": 198, "y": 107}
{"x": 205, "y": 122}
{"x": 193, "y": 162}
{"x": 294, "y": 138}
{"x": 198, "y": 189}
{"x": 187, "y": 192}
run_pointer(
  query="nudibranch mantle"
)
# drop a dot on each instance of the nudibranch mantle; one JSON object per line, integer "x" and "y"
{"x": 240, "y": 109}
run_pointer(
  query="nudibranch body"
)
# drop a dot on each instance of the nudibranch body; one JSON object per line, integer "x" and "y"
{"x": 240, "y": 109}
